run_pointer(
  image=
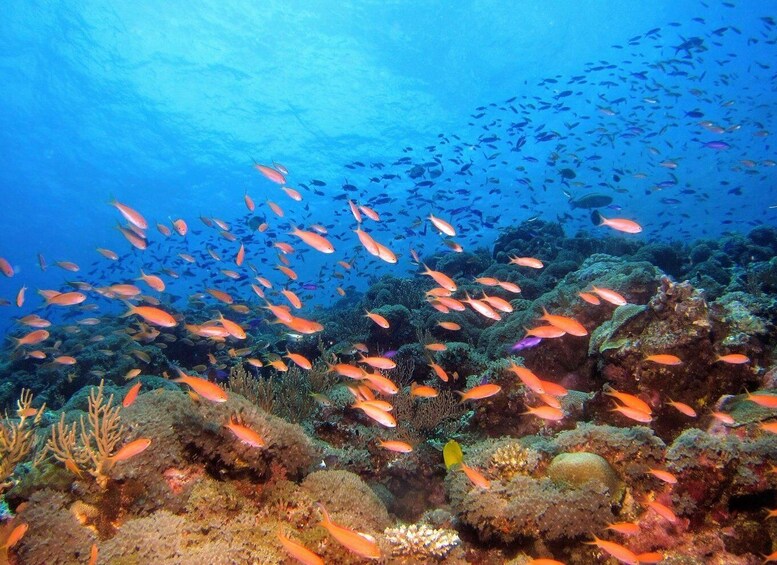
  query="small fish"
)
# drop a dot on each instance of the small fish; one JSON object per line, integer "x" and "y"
{"x": 131, "y": 395}
{"x": 16, "y": 535}
{"x": 569, "y": 325}
{"x": 131, "y": 449}
{"x": 734, "y": 358}
{"x": 618, "y": 224}
{"x": 246, "y": 434}
{"x": 396, "y": 446}
{"x": 475, "y": 477}
{"x": 356, "y": 542}
{"x": 665, "y": 476}
{"x": 298, "y": 551}
{"x": 664, "y": 359}
{"x": 530, "y": 262}
{"x": 204, "y": 388}
{"x": 480, "y": 392}
{"x": 616, "y": 550}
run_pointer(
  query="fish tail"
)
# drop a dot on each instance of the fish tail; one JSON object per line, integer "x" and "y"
{"x": 130, "y": 311}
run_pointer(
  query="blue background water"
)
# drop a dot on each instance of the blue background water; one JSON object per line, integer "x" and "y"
{"x": 165, "y": 105}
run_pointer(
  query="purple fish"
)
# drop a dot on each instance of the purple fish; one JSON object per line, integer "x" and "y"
{"x": 390, "y": 354}
{"x": 717, "y": 145}
{"x": 616, "y": 207}
{"x": 526, "y": 343}
{"x": 309, "y": 286}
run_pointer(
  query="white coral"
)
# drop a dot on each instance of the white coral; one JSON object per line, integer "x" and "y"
{"x": 421, "y": 541}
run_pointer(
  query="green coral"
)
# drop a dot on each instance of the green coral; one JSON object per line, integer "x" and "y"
{"x": 602, "y": 338}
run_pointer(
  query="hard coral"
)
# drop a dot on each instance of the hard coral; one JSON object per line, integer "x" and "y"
{"x": 421, "y": 542}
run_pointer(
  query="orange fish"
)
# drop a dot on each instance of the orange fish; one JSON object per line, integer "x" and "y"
{"x": 20, "y": 296}
{"x": 625, "y": 528}
{"x": 545, "y": 332}
{"x": 481, "y": 308}
{"x": 246, "y": 434}
{"x": 453, "y": 326}
{"x": 396, "y": 446}
{"x": 303, "y": 326}
{"x": 163, "y": 229}
{"x": 620, "y": 224}
{"x": 108, "y": 254}
{"x": 152, "y": 315}
{"x": 288, "y": 272}
{"x": 65, "y": 299}
{"x": 610, "y": 296}
{"x": 682, "y": 408}
{"x": 292, "y": 298}
{"x": 131, "y": 449}
{"x": 665, "y": 476}
{"x": 378, "y": 362}
{"x": 241, "y": 253}
{"x": 132, "y": 216}
{"x": 299, "y": 552}
{"x": 634, "y": 414}
{"x": 203, "y": 387}
{"x": 65, "y": 360}
{"x": 439, "y": 371}
{"x": 569, "y": 325}
{"x": 442, "y": 226}
{"x": 93, "y": 553}
{"x": 378, "y": 319}
{"x": 314, "y": 240}
{"x": 31, "y": 338}
{"x": 370, "y": 213}
{"x": 650, "y": 557}
{"x": 765, "y": 400}
{"x": 545, "y": 412}
{"x": 663, "y": 511}
{"x": 440, "y": 278}
{"x": 15, "y": 536}
{"x": 436, "y": 347}
{"x": 619, "y": 552}
{"x": 6, "y": 268}
{"x": 376, "y": 413}
{"x": 153, "y": 281}
{"x": 498, "y": 303}
{"x": 68, "y": 266}
{"x": 356, "y": 542}
{"x": 277, "y": 210}
{"x": 723, "y": 417}
{"x": 734, "y": 358}
{"x": 299, "y": 360}
{"x": 291, "y": 193}
{"x": 180, "y": 227}
{"x": 630, "y": 400}
{"x": 270, "y": 173}
{"x": 422, "y": 391}
{"x": 510, "y": 287}
{"x": 131, "y": 395}
{"x": 220, "y": 295}
{"x": 664, "y": 359}
{"x": 528, "y": 378}
{"x": 530, "y": 262}
{"x": 479, "y": 392}
{"x": 475, "y": 477}
{"x": 590, "y": 298}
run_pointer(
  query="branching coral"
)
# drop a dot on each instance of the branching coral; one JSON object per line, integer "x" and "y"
{"x": 421, "y": 542}
{"x": 87, "y": 445}
{"x": 17, "y": 436}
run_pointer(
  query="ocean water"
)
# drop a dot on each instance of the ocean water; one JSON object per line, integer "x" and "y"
{"x": 488, "y": 115}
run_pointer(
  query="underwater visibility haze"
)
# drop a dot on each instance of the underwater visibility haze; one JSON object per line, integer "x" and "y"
{"x": 407, "y": 282}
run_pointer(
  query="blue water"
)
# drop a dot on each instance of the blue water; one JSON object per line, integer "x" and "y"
{"x": 165, "y": 107}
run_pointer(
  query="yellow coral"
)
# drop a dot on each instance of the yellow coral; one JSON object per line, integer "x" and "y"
{"x": 17, "y": 437}
{"x": 512, "y": 459}
{"x": 87, "y": 446}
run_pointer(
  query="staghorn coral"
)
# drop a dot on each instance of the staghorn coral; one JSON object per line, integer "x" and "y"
{"x": 17, "y": 436}
{"x": 421, "y": 542}
{"x": 87, "y": 445}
